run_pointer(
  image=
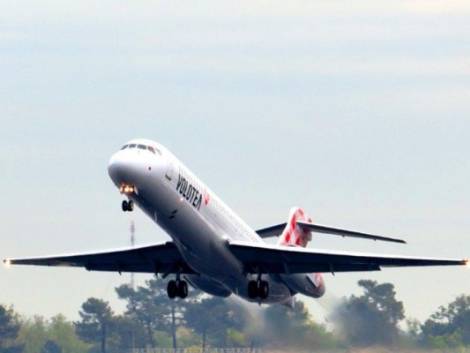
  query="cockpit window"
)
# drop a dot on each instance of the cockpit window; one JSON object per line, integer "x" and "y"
{"x": 152, "y": 149}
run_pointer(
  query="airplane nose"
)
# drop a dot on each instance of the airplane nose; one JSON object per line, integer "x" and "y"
{"x": 116, "y": 167}
{"x": 131, "y": 167}
{"x": 124, "y": 169}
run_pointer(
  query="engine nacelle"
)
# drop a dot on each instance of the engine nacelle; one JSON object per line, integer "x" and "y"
{"x": 311, "y": 285}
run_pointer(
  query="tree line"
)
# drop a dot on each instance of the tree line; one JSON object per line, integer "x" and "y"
{"x": 150, "y": 319}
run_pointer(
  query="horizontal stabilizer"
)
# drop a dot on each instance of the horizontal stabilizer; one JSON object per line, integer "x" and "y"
{"x": 317, "y": 228}
{"x": 271, "y": 231}
{"x": 277, "y": 229}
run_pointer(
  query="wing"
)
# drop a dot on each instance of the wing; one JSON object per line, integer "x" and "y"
{"x": 286, "y": 260}
{"x": 159, "y": 258}
{"x": 317, "y": 228}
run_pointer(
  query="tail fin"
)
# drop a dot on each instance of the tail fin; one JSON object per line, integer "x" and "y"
{"x": 294, "y": 235}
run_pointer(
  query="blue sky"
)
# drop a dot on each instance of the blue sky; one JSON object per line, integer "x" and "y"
{"x": 358, "y": 112}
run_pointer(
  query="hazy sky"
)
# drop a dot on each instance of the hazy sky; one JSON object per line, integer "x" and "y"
{"x": 358, "y": 111}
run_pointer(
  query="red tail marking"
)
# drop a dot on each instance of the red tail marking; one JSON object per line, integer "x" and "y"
{"x": 292, "y": 234}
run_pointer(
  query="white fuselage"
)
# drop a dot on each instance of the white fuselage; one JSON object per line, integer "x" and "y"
{"x": 198, "y": 222}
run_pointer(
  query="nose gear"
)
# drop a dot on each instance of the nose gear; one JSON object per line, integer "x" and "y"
{"x": 127, "y": 206}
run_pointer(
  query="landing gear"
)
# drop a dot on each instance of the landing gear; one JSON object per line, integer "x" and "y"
{"x": 258, "y": 289}
{"x": 263, "y": 289}
{"x": 177, "y": 288}
{"x": 172, "y": 289}
{"x": 182, "y": 289}
{"x": 127, "y": 205}
{"x": 252, "y": 289}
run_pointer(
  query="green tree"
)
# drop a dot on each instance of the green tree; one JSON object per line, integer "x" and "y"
{"x": 150, "y": 307}
{"x": 371, "y": 318}
{"x": 62, "y": 332}
{"x": 450, "y": 325}
{"x": 51, "y": 347}
{"x": 36, "y": 332}
{"x": 216, "y": 316}
{"x": 9, "y": 328}
{"x": 33, "y": 334}
{"x": 96, "y": 320}
{"x": 128, "y": 333}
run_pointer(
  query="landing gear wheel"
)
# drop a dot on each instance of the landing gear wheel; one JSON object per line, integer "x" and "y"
{"x": 172, "y": 289}
{"x": 182, "y": 289}
{"x": 258, "y": 289}
{"x": 124, "y": 205}
{"x": 127, "y": 205}
{"x": 263, "y": 289}
{"x": 252, "y": 289}
{"x": 177, "y": 289}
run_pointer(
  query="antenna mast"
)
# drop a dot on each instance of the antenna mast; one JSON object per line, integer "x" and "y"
{"x": 132, "y": 231}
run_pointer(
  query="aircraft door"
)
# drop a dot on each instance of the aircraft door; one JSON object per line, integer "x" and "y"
{"x": 170, "y": 206}
{"x": 171, "y": 172}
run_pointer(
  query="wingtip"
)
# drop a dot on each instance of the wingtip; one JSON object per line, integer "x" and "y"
{"x": 7, "y": 262}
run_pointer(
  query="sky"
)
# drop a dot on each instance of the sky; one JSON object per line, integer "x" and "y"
{"x": 359, "y": 112}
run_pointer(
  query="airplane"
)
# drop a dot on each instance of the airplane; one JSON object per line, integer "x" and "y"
{"x": 211, "y": 247}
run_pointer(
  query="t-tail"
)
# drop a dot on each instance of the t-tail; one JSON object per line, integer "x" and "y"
{"x": 293, "y": 234}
